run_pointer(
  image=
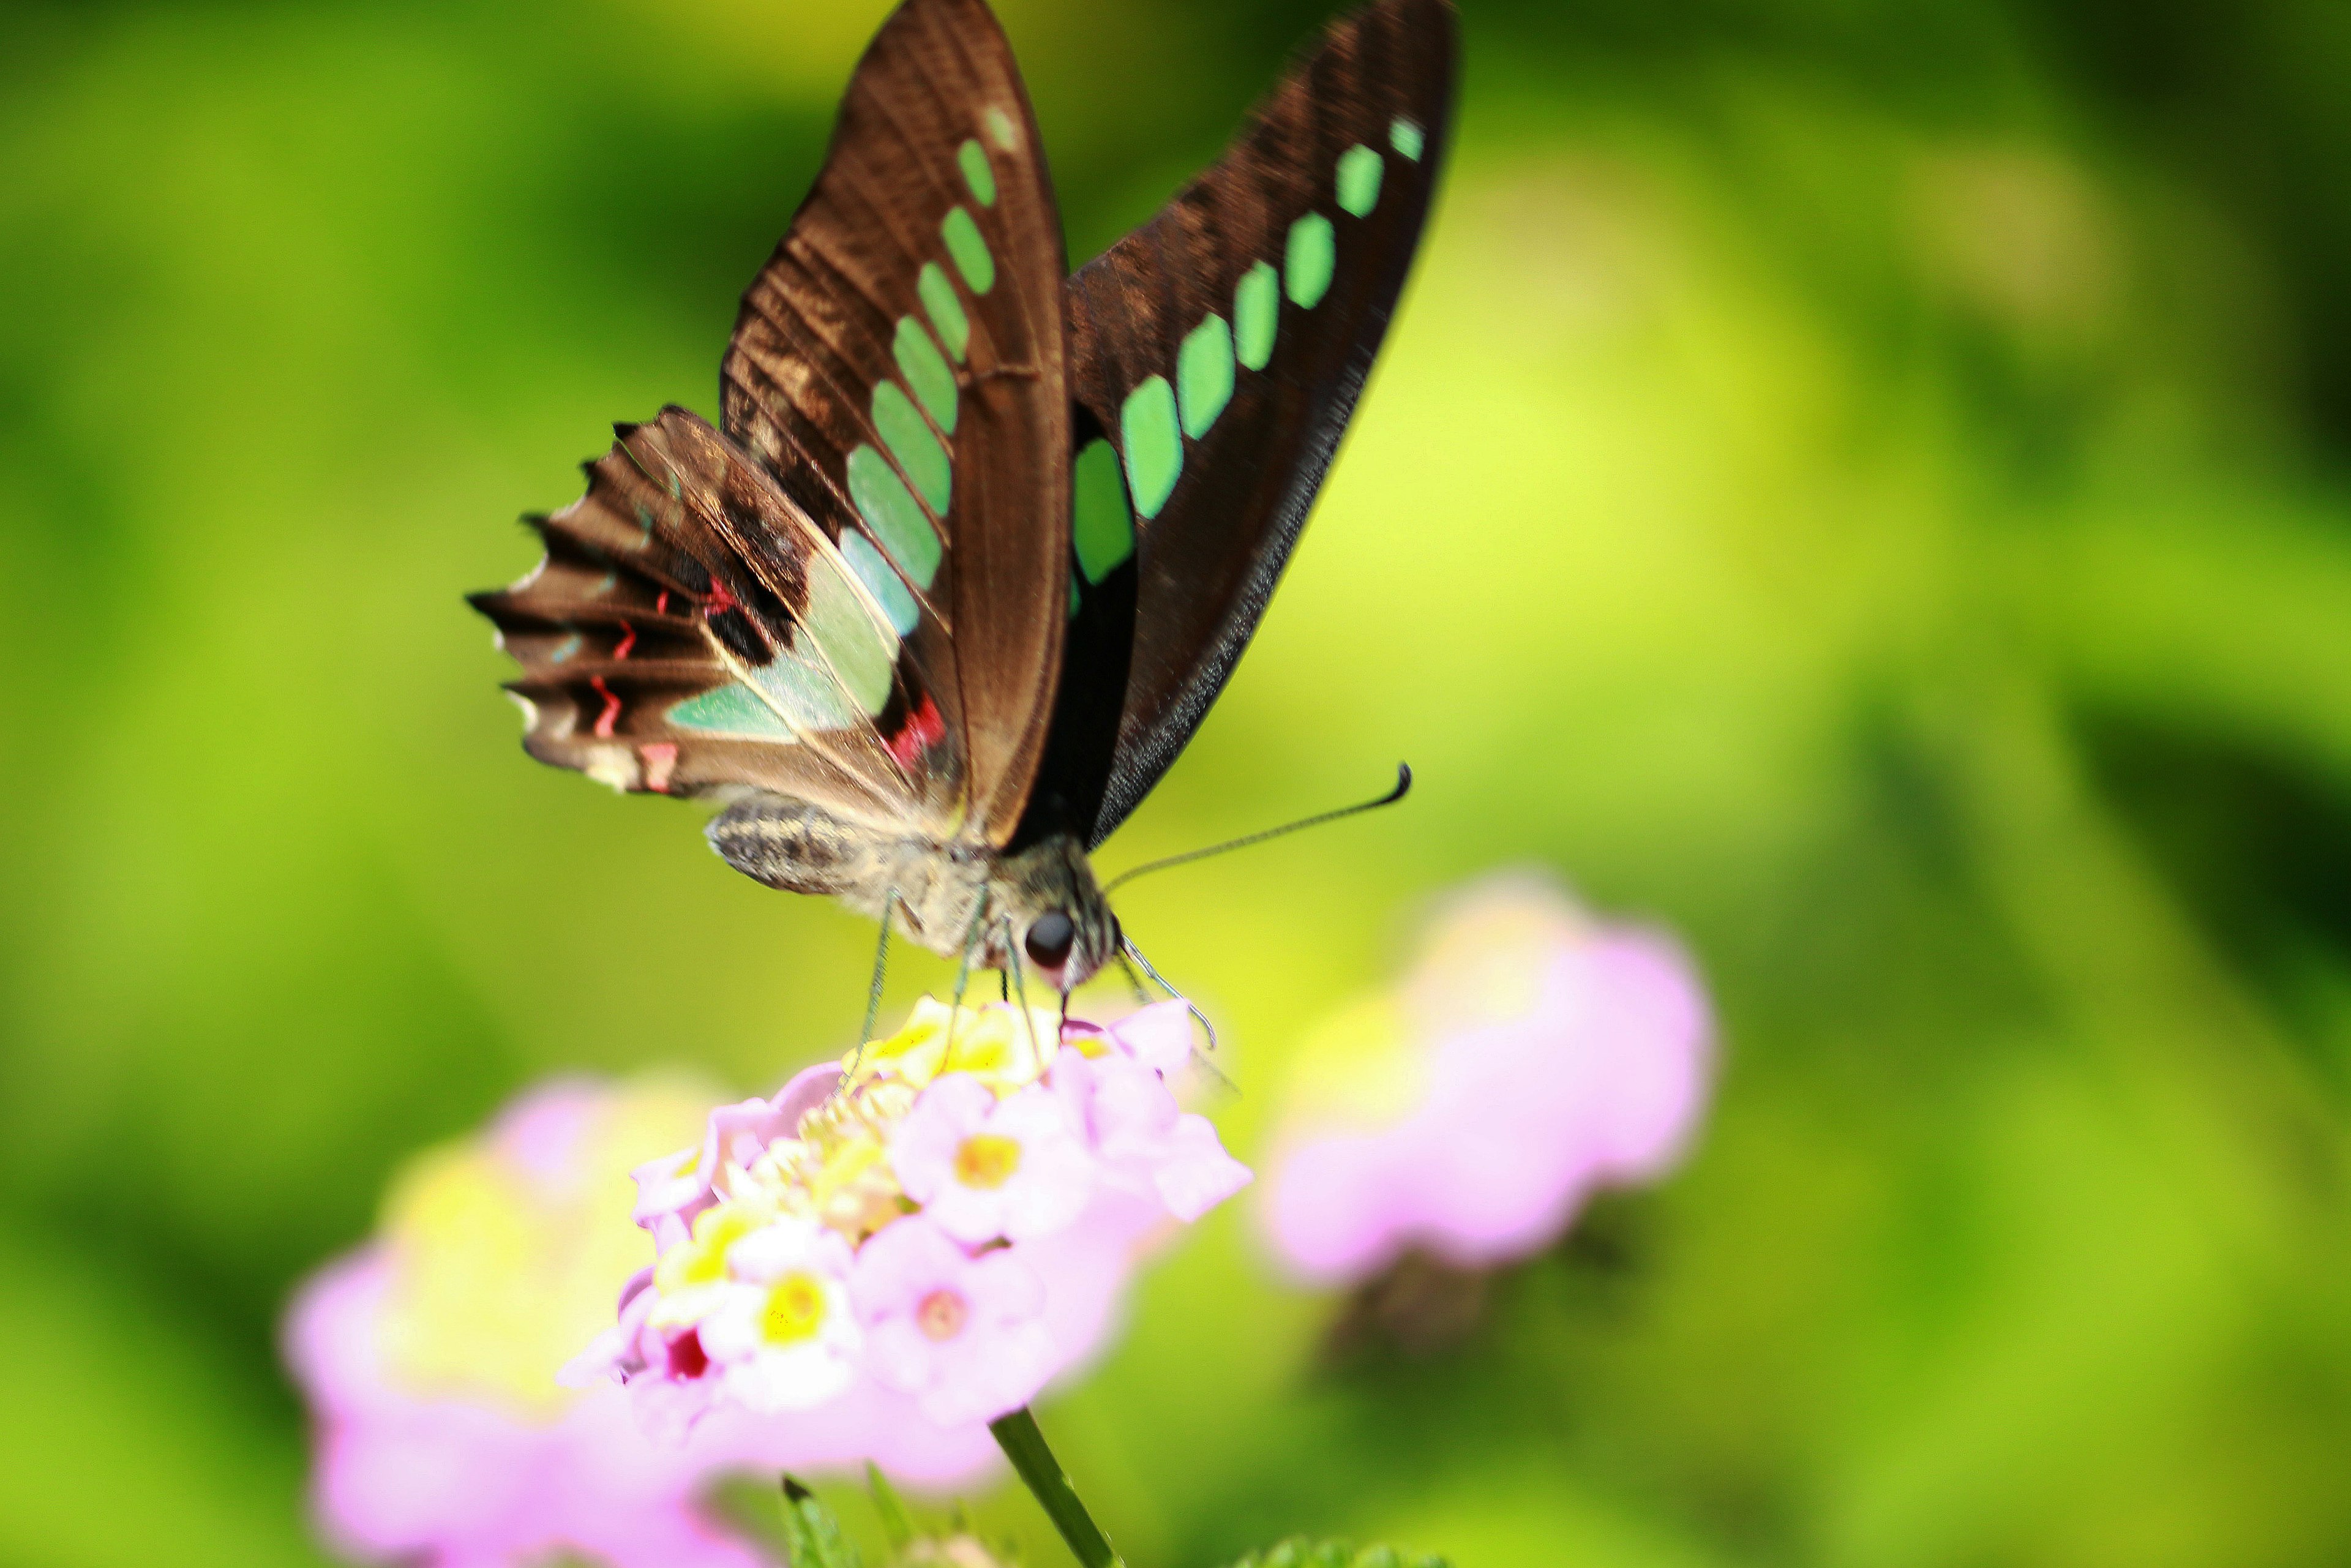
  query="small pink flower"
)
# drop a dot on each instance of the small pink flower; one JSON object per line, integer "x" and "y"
{"x": 965, "y": 1335}
{"x": 673, "y": 1190}
{"x": 1158, "y": 1036}
{"x": 1528, "y": 1058}
{"x": 1144, "y": 1141}
{"x": 983, "y": 1168}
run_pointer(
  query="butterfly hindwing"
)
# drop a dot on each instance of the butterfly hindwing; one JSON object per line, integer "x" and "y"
{"x": 1216, "y": 355}
{"x": 898, "y": 367}
{"x": 692, "y": 628}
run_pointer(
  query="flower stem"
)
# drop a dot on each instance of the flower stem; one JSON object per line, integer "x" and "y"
{"x": 1024, "y": 1445}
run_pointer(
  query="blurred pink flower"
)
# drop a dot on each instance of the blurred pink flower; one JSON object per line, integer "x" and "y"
{"x": 1528, "y": 1057}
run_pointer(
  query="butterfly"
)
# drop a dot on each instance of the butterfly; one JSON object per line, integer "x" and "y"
{"x": 976, "y": 542}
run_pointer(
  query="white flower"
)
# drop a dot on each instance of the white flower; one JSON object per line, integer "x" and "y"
{"x": 781, "y": 1330}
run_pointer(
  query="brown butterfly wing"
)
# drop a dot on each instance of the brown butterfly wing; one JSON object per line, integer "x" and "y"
{"x": 692, "y": 629}
{"x": 898, "y": 366}
{"x": 1219, "y": 351}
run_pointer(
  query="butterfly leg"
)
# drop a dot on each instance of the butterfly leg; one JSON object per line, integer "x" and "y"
{"x": 874, "y": 994}
{"x": 1189, "y": 1005}
{"x": 1134, "y": 980}
{"x": 1015, "y": 977}
{"x": 963, "y": 968}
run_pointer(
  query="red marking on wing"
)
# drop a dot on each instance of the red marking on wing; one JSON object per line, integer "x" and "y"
{"x": 924, "y": 728}
{"x": 719, "y": 601}
{"x": 611, "y": 708}
{"x": 659, "y": 758}
{"x": 661, "y": 602}
{"x": 628, "y": 641}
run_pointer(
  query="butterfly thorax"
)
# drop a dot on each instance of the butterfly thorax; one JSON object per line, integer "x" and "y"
{"x": 957, "y": 899}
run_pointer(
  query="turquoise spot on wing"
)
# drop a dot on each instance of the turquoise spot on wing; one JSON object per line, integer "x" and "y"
{"x": 836, "y": 625}
{"x": 945, "y": 311}
{"x": 1154, "y": 451}
{"x": 1360, "y": 169}
{"x": 976, "y": 173}
{"x": 879, "y": 581}
{"x": 731, "y": 710}
{"x": 565, "y": 649}
{"x": 1407, "y": 138}
{"x": 910, "y": 441}
{"x": 1203, "y": 375}
{"x": 1256, "y": 309}
{"x": 1000, "y": 127}
{"x": 1313, "y": 255}
{"x": 803, "y": 690}
{"x": 926, "y": 370}
{"x": 1101, "y": 524}
{"x": 894, "y": 514}
{"x": 970, "y": 252}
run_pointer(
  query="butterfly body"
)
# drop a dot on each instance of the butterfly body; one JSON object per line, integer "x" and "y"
{"x": 976, "y": 542}
{"x": 956, "y": 899}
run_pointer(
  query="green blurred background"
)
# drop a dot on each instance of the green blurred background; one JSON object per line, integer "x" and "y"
{"x": 1862, "y": 482}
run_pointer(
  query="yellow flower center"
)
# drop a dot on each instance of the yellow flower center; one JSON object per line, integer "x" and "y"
{"x": 985, "y": 1160}
{"x": 941, "y": 1315}
{"x": 796, "y": 1306}
{"x": 701, "y": 1260}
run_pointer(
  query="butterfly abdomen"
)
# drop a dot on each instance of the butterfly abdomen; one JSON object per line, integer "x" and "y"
{"x": 797, "y": 847}
{"x": 801, "y": 847}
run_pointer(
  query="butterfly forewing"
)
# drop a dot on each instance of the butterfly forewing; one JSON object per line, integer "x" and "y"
{"x": 1215, "y": 356}
{"x": 898, "y": 367}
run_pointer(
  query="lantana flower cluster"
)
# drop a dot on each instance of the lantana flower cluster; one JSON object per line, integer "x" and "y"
{"x": 895, "y": 1219}
{"x": 1530, "y": 1055}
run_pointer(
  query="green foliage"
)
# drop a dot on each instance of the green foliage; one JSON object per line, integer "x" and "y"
{"x": 813, "y": 1536}
{"x": 1300, "y": 1552}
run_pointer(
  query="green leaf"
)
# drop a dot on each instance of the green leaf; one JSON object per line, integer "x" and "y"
{"x": 897, "y": 1524}
{"x": 811, "y": 1534}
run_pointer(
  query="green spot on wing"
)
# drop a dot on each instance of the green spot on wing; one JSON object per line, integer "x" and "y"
{"x": 910, "y": 441}
{"x": 1256, "y": 309}
{"x": 1000, "y": 127}
{"x": 891, "y": 511}
{"x": 1406, "y": 137}
{"x": 976, "y": 173}
{"x": 926, "y": 372}
{"x": 731, "y": 710}
{"x": 945, "y": 311}
{"x": 882, "y": 583}
{"x": 1154, "y": 451}
{"x": 1203, "y": 375}
{"x": 1101, "y": 526}
{"x": 1360, "y": 169}
{"x": 1313, "y": 255}
{"x": 970, "y": 252}
{"x": 837, "y": 625}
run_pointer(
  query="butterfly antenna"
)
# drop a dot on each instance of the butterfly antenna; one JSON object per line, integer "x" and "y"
{"x": 1403, "y": 787}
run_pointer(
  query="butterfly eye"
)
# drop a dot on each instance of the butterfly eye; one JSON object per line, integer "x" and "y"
{"x": 1050, "y": 937}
